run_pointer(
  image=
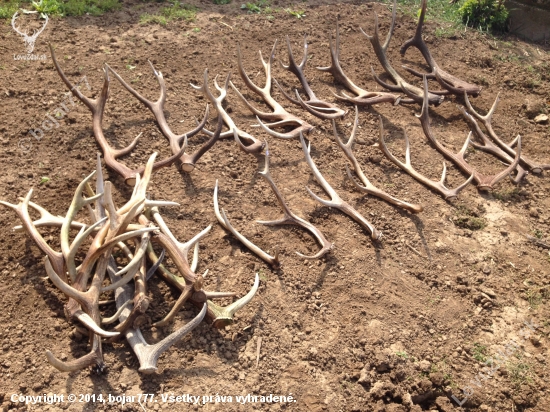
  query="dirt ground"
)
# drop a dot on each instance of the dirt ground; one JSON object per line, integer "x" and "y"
{"x": 397, "y": 326}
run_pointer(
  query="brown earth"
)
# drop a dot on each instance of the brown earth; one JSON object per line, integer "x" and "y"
{"x": 396, "y": 326}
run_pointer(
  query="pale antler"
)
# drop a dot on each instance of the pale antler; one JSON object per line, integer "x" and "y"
{"x": 529, "y": 164}
{"x": 224, "y": 221}
{"x": 364, "y": 97}
{"x": 483, "y": 182}
{"x": 414, "y": 93}
{"x": 313, "y": 105}
{"x": 335, "y": 200}
{"x": 97, "y": 107}
{"x": 280, "y": 117}
{"x": 254, "y": 145}
{"x": 446, "y": 80}
{"x": 290, "y": 218}
{"x": 438, "y": 187}
{"x": 368, "y": 187}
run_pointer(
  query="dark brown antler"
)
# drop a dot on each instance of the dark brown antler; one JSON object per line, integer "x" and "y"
{"x": 483, "y": 182}
{"x": 290, "y": 218}
{"x": 448, "y": 81}
{"x": 97, "y": 107}
{"x": 157, "y": 108}
{"x": 335, "y": 200}
{"x": 414, "y": 93}
{"x": 254, "y": 145}
{"x": 368, "y": 187}
{"x": 438, "y": 187}
{"x": 529, "y": 164}
{"x": 313, "y": 105}
{"x": 364, "y": 97}
{"x": 280, "y": 117}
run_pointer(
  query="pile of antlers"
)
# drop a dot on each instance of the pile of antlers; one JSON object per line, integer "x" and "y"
{"x": 111, "y": 228}
{"x": 115, "y": 229}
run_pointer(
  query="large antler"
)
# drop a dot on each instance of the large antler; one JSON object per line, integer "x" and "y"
{"x": 438, "y": 187}
{"x": 313, "y": 105}
{"x": 157, "y": 108}
{"x": 335, "y": 200}
{"x": 254, "y": 145}
{"x": 290, "y": 218}
{"x": 364, "y": 97}
{"x": 415, "y": 93}
{"x": 280, "y": 117}
{"x": 446, "y": 80}
{"x": 483, "y": 182}
{"x": 97, "y": 107}
{"x": 530, "y": 164}
{"x": 368, "y": 187}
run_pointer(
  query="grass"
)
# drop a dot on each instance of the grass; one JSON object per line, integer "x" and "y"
{"x": 60, "y": 7}
{"x": 479, "y": 352}
{"x": 467, "y": 219}
{"x": 167, "y": 14}
{"x": 506, "y": 195}
{"x": 519, "y": 371}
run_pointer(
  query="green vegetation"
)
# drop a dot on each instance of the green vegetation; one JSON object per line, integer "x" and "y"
{"x": 60, "y": 7}
{"x": 488, "y": 15}
{"x": 44, "y": 179}
{"x": 519, "y": 371}
{"x": 468, "y": 219}
{"x": 479, "y": 352}
{"x": 296, "y": 13}
{"x": 167, "y": 14}
{"x": 222, "y": 1}
{"x": 255, "y": 7}
{"x": 506, "y": 195}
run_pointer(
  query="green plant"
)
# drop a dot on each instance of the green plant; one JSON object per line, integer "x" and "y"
{"x": 296, "y": 13}
{"x": 467, "y": 219}
{"x": 44, "y": 179}
{"x": 222, "y": 1}
{"x": 49, "y": 7}
{"x": 167, "y": 14}
{"x": 402, "y": 354}
{"x": 479, "y": 352}
{"x": 505, "y": 195}
{"x": 519, "y": 371}
{"x": 255, "y": 7}
{"x": 538, "y": 233}
{"x": 8, "y": 8}
{"x": 489, "y": 15}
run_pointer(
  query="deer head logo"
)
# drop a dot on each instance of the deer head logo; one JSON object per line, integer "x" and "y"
{"x": 29, "y": 40}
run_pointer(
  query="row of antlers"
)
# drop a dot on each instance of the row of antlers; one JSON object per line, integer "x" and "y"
{"x": 140, "y": 223}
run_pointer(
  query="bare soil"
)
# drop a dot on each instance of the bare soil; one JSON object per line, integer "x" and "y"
{"x": 396, "y": 326}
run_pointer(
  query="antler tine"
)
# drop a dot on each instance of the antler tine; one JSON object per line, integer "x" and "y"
{"x": 224, "y": 316}
{"x": 224, "y": 221}
{"x": 255, "y": 146}
{"x": 483, "y": 182}
{"x": 56, "y": 258}
{"x": 290, "y": 218}
{"x": 335, "y": 200}
{"x": 489, "y": 147}
{"x": 446, "y": 80}
{"x": 157, "y": 108}
{"x": 46, "y": 218}
{"x": 94, "y": 357}
{"x": 415, "y": 93}
{"x": 97, "y": 107}
{"x": 528, "y": 163}
{"x": 438, "y": 186}
{"x": 368, "y": 187}
{"x": 319, "y": 108}
{"x": 279, "y": 116}
{"x": 364, "y": 97}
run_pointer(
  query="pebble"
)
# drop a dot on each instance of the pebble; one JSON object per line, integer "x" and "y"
{"x": 541, "y": 119}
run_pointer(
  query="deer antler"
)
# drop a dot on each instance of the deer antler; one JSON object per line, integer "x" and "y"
{"x": 97, "y": 107}
{"x": 224, "y": 221}
{"x": 446, "y": 80}
{"x": 335, "y": 200}
{"x": 415, "y": 93}
{"x": 530, "y": 164}
{"x": 316, "y": 107}
{"x": 157, "y": 108}
{"x": 255, "y": 146}
{"x": 280, "y": 117}
{"x": 290, "y": 218}
{"x": 364, "y": 97}
{"x": 368, "y": 187}
{"x": 438, "y": 187}
{"x": 484, "y": 183}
